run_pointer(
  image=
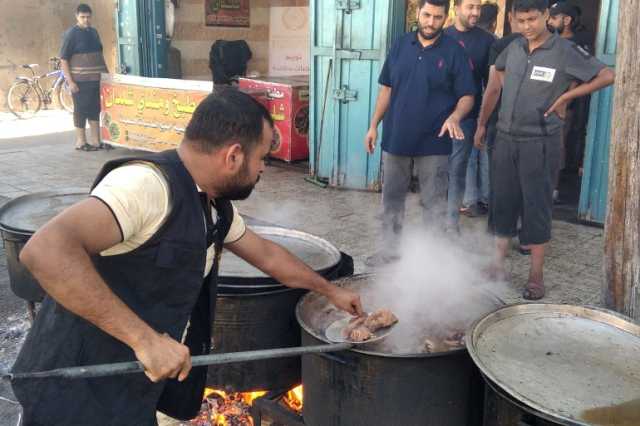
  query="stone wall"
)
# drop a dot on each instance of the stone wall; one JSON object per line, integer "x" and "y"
{"x": 194, "y": 39}
{"x": 31, "y": 32}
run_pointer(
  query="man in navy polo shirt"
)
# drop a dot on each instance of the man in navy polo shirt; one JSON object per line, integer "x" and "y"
{"x": 476, "y": 43}
{"x": 426, "y": 89}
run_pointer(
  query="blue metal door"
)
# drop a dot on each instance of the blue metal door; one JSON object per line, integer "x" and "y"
{"x": 155, "y": 43}
{"x": 593, "y": 193}
{"x": 142, "y": 42}
{"x": 349, "y": 41}
{"x": 129, "y": 40}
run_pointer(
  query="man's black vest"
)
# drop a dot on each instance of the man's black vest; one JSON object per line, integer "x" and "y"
{"x": 162, "y": 282}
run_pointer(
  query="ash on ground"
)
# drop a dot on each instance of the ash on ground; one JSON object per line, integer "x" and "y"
{"x": 12, "y": 334}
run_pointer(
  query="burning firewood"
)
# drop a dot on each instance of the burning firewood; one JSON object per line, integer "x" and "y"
{"x": 225, "y": 409}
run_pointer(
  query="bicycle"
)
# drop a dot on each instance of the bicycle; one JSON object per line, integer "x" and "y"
{"x": 27, "y": 94}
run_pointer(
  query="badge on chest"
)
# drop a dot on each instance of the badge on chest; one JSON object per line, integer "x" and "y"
{"x": 543, "y": 74}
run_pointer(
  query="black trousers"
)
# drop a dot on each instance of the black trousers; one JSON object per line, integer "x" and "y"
{"x": 86, "y": 103}
{"x": 523, "y": 178}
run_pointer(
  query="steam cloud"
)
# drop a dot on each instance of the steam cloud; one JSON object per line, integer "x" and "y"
{"x": 437, "y": 287}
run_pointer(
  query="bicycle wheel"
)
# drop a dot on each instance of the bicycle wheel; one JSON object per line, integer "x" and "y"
{"x": 23, "y": 100}
{"x": 63, "y": 94}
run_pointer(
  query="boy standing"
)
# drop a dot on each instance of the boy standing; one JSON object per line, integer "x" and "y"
{"x": 537, "y": 72}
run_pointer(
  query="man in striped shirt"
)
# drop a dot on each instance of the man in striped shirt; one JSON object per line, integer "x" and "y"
{"x": 82, "y": 63}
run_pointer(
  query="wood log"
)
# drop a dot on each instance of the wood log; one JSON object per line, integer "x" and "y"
{"x": 622, "y": 228}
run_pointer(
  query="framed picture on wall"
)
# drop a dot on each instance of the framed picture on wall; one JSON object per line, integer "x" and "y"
{"x": 227, "y": 13}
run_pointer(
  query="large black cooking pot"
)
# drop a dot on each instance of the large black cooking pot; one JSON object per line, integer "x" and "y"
{"x": 559, "y": 364}
{"x": 260, "y": 313}
{"x": 20, "y": 218}
{"x": 375, "y": 385}
{"x": 250, "y": 322}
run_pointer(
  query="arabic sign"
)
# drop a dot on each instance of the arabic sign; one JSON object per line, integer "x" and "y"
{"x": 289, "y": 41}
{"x": 227, "y": 13}
{"x": 145, "y": 117}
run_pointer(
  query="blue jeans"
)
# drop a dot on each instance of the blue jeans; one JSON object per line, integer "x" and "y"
{"x": 477, "y": 183}
{"x": 458, "y": 160}
{"x": 490, "y": 143}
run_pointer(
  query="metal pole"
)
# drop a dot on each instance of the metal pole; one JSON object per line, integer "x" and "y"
{"x": 102, "y": 370}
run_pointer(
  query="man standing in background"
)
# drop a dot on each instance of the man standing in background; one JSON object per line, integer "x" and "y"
{"x": 488, "y": 20}
{"x": 426, "y": 90}
{"x": 563, "y": 19}
{"x": 82, "y": 63}
{"x": 476, "y": 43}
{"x": 477, "y": 193}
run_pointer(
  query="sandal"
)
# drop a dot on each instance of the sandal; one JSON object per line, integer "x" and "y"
{"x": 524, "y": 250}
{"x": 533, "y": 291}
{"x": 87, "y": 147}
{"x": 105, "y": 146}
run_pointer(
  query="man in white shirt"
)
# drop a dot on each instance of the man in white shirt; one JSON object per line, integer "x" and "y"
{"x": 124, "y": 269}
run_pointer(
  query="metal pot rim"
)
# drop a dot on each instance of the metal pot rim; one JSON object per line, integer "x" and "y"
{"x": 323, "y": 338}
{"x": 552, "y": 310}
{"x": 36, "y": 195}
{"x": 253, "y": 277}
{"x": 262, "y": 293}
{"x": 376, "y": 353}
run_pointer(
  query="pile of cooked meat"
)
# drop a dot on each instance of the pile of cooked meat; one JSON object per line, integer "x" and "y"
{"x": 361, "y": 329}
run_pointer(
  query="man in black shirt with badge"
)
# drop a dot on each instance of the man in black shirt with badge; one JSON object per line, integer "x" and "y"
{"x": 537, "y": 73}
{"x": 82, "y": 62}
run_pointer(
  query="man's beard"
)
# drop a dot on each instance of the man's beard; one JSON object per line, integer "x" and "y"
{"x": 239, "y": 187}
{"x": 465, "y": 23}
{"x": 558, "y": 30}
{"x": 431, "y": 36}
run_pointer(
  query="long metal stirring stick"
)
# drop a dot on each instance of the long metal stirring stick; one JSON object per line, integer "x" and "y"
{"x": 102, "y": 370}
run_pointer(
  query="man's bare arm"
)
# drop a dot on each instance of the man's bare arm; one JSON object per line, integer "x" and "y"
{"x": 59, "y": 257}
{"x": 66, "y": 70}
{"x": 491, "y": 96}
{"x": 382, "y": 105}
{"x": 605, "y": 78}
{"x": 489, "y": 104}
{"x": 277, "y": 262}
{"x": 452, "y": 124}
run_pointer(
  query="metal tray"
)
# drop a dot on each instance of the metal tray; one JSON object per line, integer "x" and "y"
{"x": 559, "y": 360}
{"x": 317, "y": 253}
{"x": 28, "y": 213}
